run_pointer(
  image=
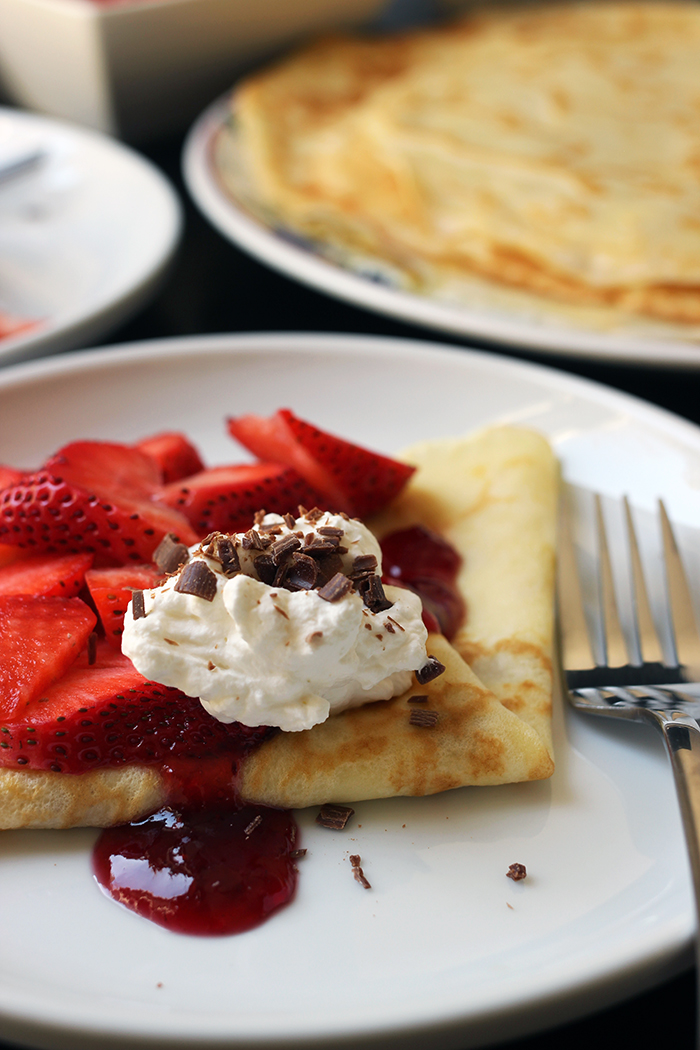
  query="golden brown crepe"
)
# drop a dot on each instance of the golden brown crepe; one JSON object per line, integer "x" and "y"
{"x": 493, "y": 496}
{"x": 554, "y": 149}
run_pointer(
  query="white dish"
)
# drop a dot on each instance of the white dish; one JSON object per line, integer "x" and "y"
{"x": 444, "y": 950}
{"x": 86, "y": 234}
{"x": 477, "y": 308}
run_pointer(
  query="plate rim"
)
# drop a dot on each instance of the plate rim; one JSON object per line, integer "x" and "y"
{"x": 559, "y": 1006}
{"x": 79, "y": 326}
{"x": 320, "y": 274}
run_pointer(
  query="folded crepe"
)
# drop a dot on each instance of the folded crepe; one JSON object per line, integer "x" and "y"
{"x": 493, "y": 496}
{"x": 552, "y": 149}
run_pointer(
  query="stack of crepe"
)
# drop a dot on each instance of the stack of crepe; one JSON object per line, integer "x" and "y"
{"x": 554, "y": 149}
{"x": 493, "y": 496}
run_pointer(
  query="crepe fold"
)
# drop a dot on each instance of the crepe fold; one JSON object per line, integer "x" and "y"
{"x": 551, "y": 148}
{"x": 493, "y": 496}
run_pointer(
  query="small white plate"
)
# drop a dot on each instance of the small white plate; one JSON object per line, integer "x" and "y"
{"x": 444, "y": 950}
{"x": 216, "y": 181}
{"x": 85, "y": 234}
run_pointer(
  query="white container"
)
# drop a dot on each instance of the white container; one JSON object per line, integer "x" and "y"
{"x": 140, "y": 68}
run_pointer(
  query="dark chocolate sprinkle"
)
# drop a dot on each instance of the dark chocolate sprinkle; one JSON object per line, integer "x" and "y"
{"x": 197, "y": 579}
{"x": 138, "y": 606}
{"x": 357, "y": 871}
{"x": 417, "y": 699}
{"x": 281, "y": 548}
{"x": 336, "y": 588}
{"x": 364, "y": 563}
{"x": 170, "y": 554}
{"x": 335, "y": 817}
{"x": 423, "y": 719}
{"x": 516, "y": 872}
{"x": 266, "y": 569}
{"x": 373, "y": 594}
{"x": 432, "y": 669}
{"x": 301, "y": 573}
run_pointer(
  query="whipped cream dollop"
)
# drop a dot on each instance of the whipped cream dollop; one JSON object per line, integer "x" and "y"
{"x": 280, "y": 626}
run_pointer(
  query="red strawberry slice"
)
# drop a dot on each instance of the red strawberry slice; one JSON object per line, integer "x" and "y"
{"x": 108, "y": 715}
{"x": 175, "y": 455}
{"x": 53, "y": 575}
{"x": 39, "y": 639}
{"x": 111, "y": 590}
{"x": 100, "y": 502}
{"x": 9, "y": 476}
{"x": 351, "y": 478}
{"x": 225, "y": 499}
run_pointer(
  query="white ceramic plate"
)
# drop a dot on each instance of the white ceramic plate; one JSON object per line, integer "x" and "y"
{"x": 478, "y": 308}
{"x": 444, "y": 950}
{"x": 85, "y": 235}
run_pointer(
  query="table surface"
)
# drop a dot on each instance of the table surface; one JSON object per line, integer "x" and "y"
{"x": 213, "y": 287}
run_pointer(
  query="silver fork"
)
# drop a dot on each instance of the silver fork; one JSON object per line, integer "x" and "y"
{"x": 631, "y": 678}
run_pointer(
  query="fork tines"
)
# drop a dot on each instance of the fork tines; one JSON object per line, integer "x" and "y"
{"x": 636, "y": 657}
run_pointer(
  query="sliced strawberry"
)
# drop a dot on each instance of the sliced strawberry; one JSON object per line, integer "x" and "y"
{"x": 175, "y": 455}
{"x": 351, "y": 478}
{"x": 111, "y": 589}
{"x": 107, "y": 715}
{"x": 9, "y": 476}
{"x": 100, "y": 503}
{"x": 53, "y": 575}
{"x": 225, "y": 499}
{"x": 105, "y": 467}
{"x": 39, "y": 639}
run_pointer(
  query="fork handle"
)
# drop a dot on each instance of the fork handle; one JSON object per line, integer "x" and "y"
{"x": 682, "y": 737}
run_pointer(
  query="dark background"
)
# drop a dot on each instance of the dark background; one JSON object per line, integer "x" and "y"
{"x": 213, "y": 287}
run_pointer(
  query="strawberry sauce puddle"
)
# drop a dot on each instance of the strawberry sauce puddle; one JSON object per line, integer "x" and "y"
{"x": 208, "y": 872}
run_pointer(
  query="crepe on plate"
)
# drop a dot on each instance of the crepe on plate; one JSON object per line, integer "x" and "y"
{"x": 555, "y": 149}
{"x": 493, "y": 496}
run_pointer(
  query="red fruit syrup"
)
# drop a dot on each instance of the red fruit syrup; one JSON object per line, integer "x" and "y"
{"x": 426, "y": 563}
{"x": 207, "y": 871}
{"x": 204, "y": 865}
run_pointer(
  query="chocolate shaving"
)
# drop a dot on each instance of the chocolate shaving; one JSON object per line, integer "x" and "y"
{"x": 373, "y": 594}
{"x": 423, "y": 719}
{"x": 281, "y": 548}
{"x": 364, "y": 563}
{"x": 516, "y": 872}
{"x": 336, "y": 588}
{"x": 197, "y": 579}
{"x": 330, "y": 530}
{"x": 290, "y": 521}
{"x": 258, "y": 517}
{"x": 357, "y": 871}
{"x": 222, "y": 549}
{"x": 314, "y": 514}
{"x": 138, "y": 606}
{"x": 255, "y": 823}
{"x": 314, "y": 544}
{"x": 256, "y": 541}
{"x": 92, "y": 646}
{"x": 170, "y": 554}
{"x": 416, "y": 699}
{"x": 266, "y": 569}
{"x": 298, "y": 853}
{"x": 430, "y": 670}
{"x": 301, "y": 573}
{"x": 335, "y": 817}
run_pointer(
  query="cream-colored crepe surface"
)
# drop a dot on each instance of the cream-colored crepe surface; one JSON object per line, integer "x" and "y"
{"x": 552, "y": 148}
{"x": 493, "y": 496}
